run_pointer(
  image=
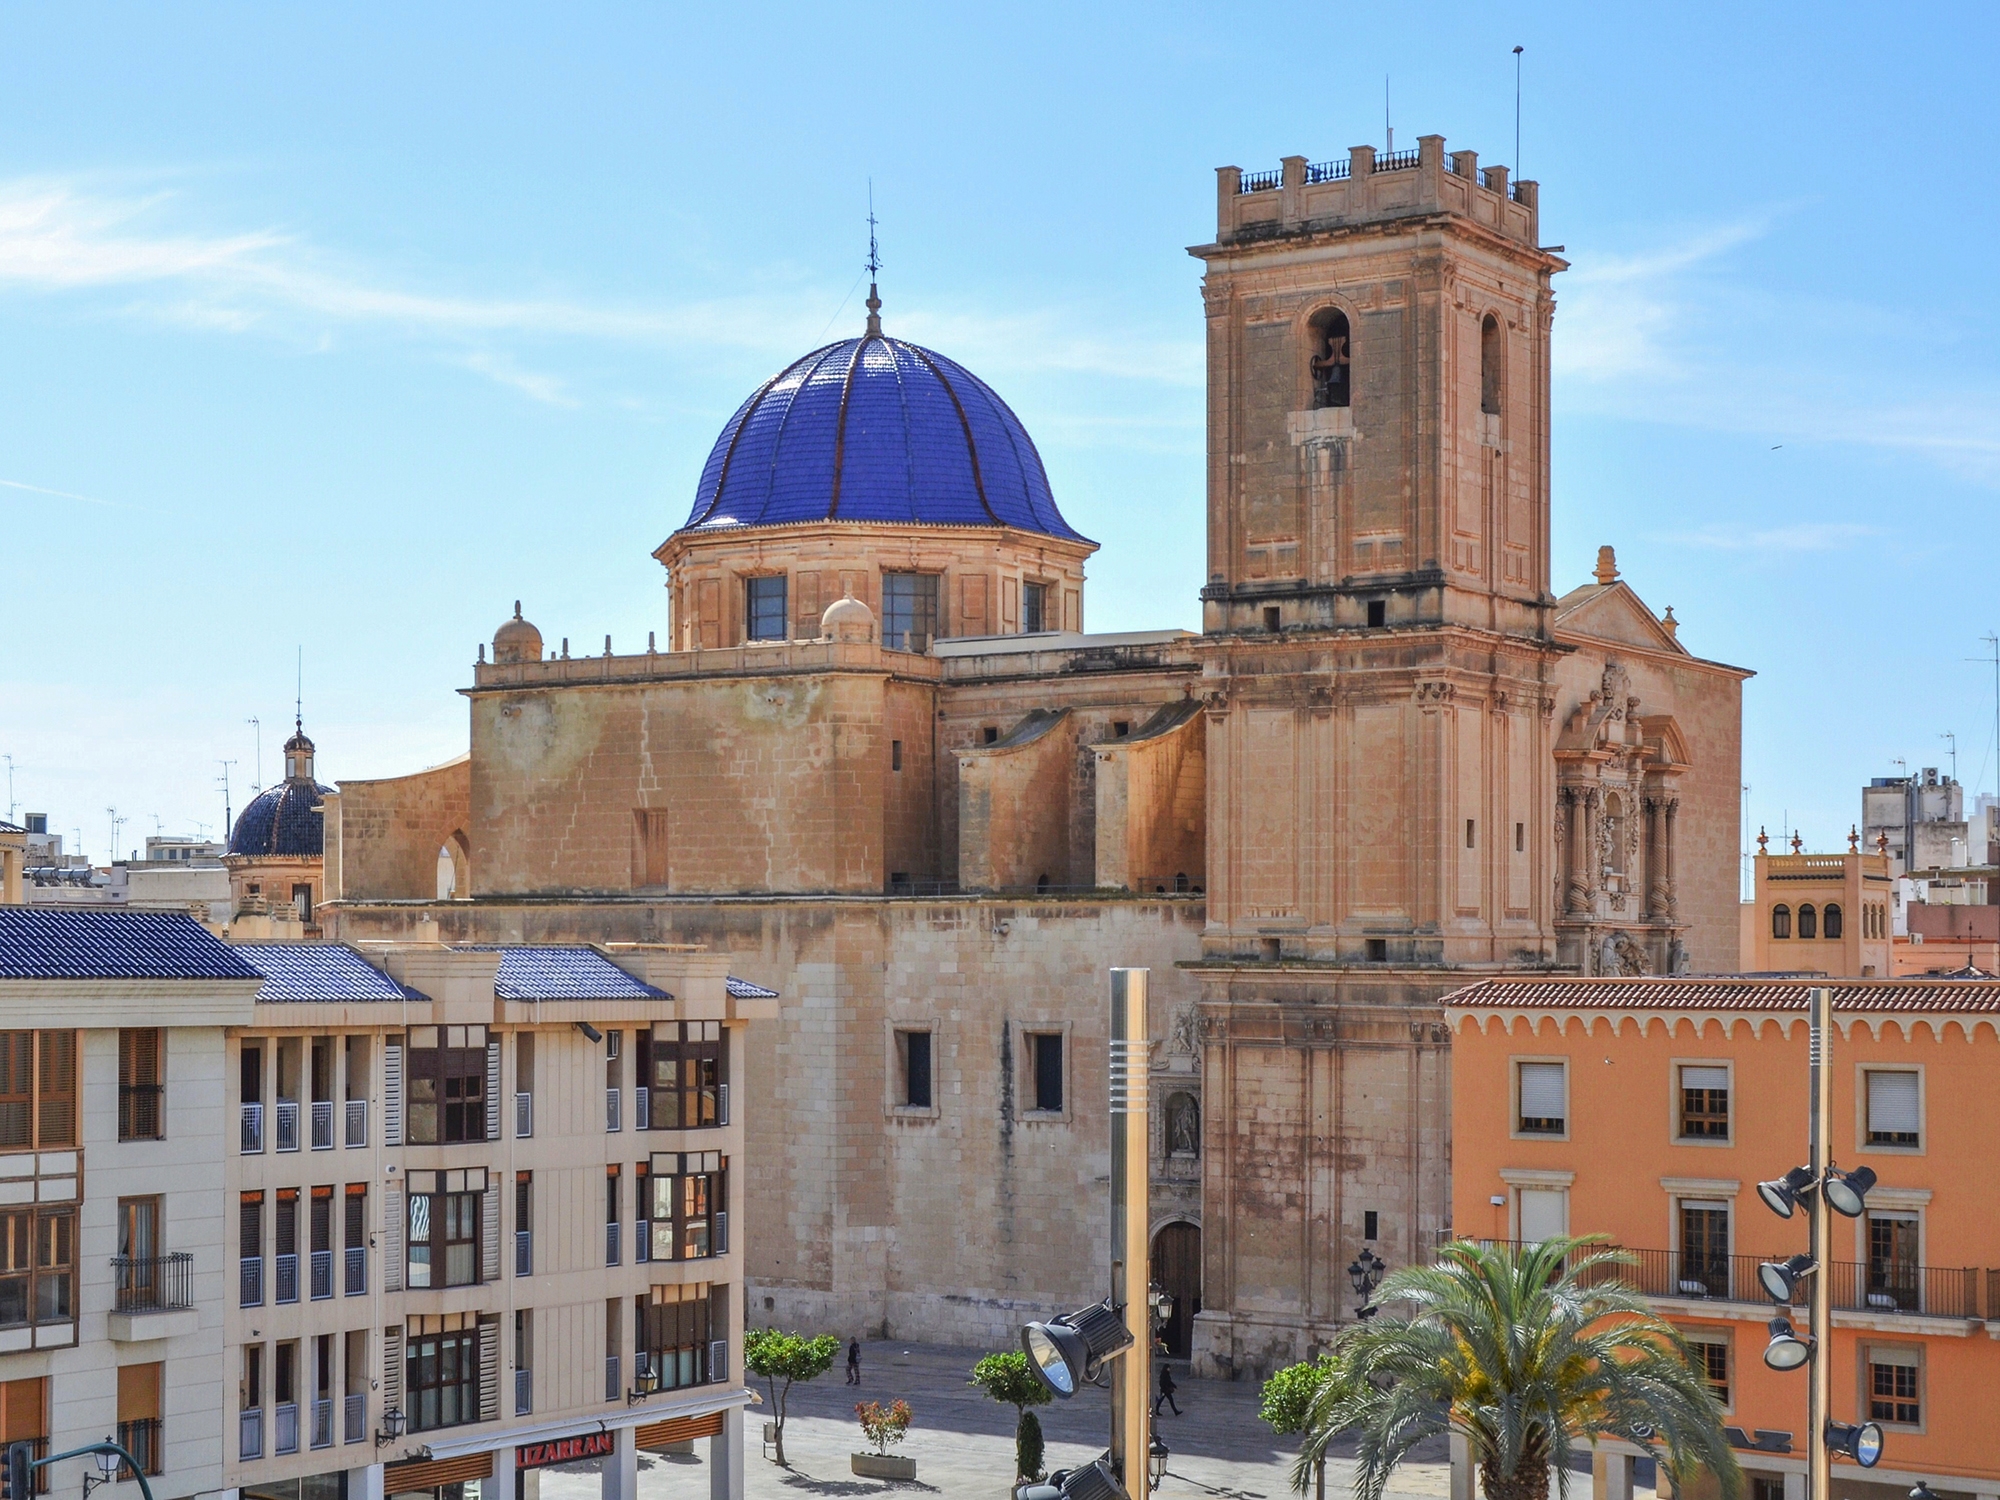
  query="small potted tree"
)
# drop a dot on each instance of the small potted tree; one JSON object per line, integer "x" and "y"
{"x": 884, "y": 1426}
{"x": 1008, "y": 1380}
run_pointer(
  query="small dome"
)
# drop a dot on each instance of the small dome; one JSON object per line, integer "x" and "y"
{"x": 847, "y": 619}
{"x": 282, "y": 821}
{"x": 517, "y": 640}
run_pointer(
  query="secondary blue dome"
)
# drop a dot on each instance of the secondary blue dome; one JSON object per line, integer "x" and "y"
{"x": 282, "y": 821}
{"x": 876, "y": 429}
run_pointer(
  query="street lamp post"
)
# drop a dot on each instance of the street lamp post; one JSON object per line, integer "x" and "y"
{"x": 1132, "y": 1379}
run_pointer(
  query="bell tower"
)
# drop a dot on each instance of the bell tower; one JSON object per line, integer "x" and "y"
{"x": 1377, "y": 614}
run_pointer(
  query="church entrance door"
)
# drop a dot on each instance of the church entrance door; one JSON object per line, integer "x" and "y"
{"x": 1177, "y": 1268}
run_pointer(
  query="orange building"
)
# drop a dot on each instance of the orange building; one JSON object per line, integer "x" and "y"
{"x": 1819, "y": 913}
{"x": 1647, "y": 1110}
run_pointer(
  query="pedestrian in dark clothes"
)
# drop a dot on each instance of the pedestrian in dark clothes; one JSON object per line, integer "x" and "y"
{"x": 1167, "y": 1389}
{"x": 854, "y": 1361}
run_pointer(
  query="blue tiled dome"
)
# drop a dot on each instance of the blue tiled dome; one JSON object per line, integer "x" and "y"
{"x": 875, "y": 429}
{"x": 282, "y": 821}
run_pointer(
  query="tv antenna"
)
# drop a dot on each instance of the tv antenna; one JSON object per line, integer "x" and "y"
{"x": 1388, "y": 130}
{"x": 1948, "y": 735}
{"x": 228, "y": 822}
{"x": 10, "y": 786}
{"x": 257, "y": 780}
{"x": 116, "y": 824}
{"x": 1993, "y": 642}
{"x": 1517, "y": 112}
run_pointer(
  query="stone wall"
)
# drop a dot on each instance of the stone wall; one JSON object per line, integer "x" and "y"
{"x": 383, "y": 836}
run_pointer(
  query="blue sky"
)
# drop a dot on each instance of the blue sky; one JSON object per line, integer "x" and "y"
{"x": 343, "y": 331}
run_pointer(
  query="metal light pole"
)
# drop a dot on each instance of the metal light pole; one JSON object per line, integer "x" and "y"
{"x": 1132, "y": 1378}
{"x": 1819, "y": 1398}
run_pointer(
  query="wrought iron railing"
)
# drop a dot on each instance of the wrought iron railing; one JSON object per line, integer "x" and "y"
{"x": 322, "y": 1124}
{"x": 642, "y": 1109}
{"x": 357, "y": 1270}
{"x": 322, "y": 1275}
{"x": 524, "y": 1252}
{"x": 37, "y": 1448}
{"x": 322, "y": 1417}
{"x": 611, "y": 1109}
{"x": 288, "y": 1125}
{"x": 611, "y": 1389}
{"x": 145, "y": 1439}
{"x": 524, "y": 1115}
{"x": 252, "y": 1140}
{"x": 1396, "y": 161}
{"x": 250, "y": 1433}
{"x": 524, "y": 1392}
{"x": 611, "y": 1243}
{"x": 354, "y": 1427}
{"x": 153, "y": 1283}
{"x": 357, "y": 1122}
{"x": 250, "y": 1281}
{"x": 1258, "y": 182}
{"x": 1893, "y": 1287}
{"x": 285, "y": 1428}
{"x": 1328, "y": 171}
{"x": 285, "y": 1278}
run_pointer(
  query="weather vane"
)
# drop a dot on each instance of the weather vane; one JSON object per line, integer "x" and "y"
{"x": 874, "y": 303}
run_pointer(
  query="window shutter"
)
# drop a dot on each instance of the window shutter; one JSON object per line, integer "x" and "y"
{"x": 1544, "y": 1214}
{"x": 489, "y": 1368}
{"x": 490, "y": 1232}
{"x": 1892, "y": 1103}
{"x": 1542, "y": 1091}
{"x": 392, "y": 1368}
{"x": 392, "y": 1094}
{"x": 392, "y": 1238}
{"x": 493, "y": 1089}
{"x": 1702, "y": 1078}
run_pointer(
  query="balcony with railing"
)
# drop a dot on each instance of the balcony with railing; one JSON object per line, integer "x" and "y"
{"x": 37, "y": 1448}
{"x": 611, "y": 1244}
{"x": 611, "y": 1110}
{"x": 642, "y": 1109}
{"x": 145, "y": 1439}
{"x": 153, "y": 1283}
{"x": 250, "y": 1281}
{"x": 611, "y": 1388}
{"x": 288, "y": 1125}
{"x": 250, "y": 1433}
{"x": 285, "y": 1278}
{"x": 252, "y": 1136}
{"x": 322, "y": 1428}
{"x": 524, "y": 1115}
{"x": 357, "y": 1270}
{"x": 354, "y": 1426}
{"x": 285, "y": 1428}
{"x": 322, "y": 1275}
{"x": 524, "y": 1252}
{"x": 357, "y": 1122}
{"x": 322, "y": 1124}
{"x": 524, "y": 1392}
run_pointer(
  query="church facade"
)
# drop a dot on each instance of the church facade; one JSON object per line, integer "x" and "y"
{"x": 880, "y": 763}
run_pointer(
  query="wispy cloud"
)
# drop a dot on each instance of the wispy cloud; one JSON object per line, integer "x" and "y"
{"x": 36, "y": 489}
{"x": 498, "y": 367}
{"x": 1827, "y": 536}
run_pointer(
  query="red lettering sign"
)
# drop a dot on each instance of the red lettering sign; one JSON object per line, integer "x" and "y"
{"x": 564, "y": 1450}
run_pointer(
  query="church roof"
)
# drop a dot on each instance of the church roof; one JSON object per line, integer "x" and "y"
{"x": 875, "y": 429}
{"x": 283, "y": 822}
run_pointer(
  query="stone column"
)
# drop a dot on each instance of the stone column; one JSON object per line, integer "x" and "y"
{"x": 1464, "y": 1482}
{"x": 725, "y": 1458}
{"x": 1590, "y": 862}
{"x": 620, "y": 1479}
{"x": 1673, "y": 808}
{"x": 502, "y": 1482}
{"x": 1656, "y": 866}
{"x": 363, "y": 1483}
{"x": 1577, "y": 887}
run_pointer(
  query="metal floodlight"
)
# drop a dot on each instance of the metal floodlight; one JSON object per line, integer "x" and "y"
{"x": 1094, "y": 1481}
{"x": 1782, "y": 1195}
{"x": 1847, "y": 1192}
{"x": 589, "y": 1031}
{"x": 1786, "y": 1351}
{"x": 1067, "y": 1351}
{"x": 1781, "y": 1278}
{"x": 1862, "y": 1442}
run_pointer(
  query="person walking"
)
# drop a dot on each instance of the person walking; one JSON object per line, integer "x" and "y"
{"x": 1167, "y": 1389}
{"x": 854, "y": 1361}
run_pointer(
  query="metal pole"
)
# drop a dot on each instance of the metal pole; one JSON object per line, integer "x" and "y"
{"x": 1819, "y": 1400}
{"x": 138, "y": 1469}
{"x": 1132, "y": 1380}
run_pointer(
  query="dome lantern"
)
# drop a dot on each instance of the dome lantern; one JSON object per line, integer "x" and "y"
{"x": 516, "y": 640}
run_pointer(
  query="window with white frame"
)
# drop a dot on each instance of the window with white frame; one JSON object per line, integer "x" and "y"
{"x": 1704, "y": 1101}
{"x": 1894, "y": 1108}
{"x": 1543, "y": 1212}
{"x": 1710, "y": 1348}
{"x": 1541, "y": 1093}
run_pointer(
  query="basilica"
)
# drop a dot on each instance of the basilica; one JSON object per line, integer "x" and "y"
{"x": 877, "y": 758}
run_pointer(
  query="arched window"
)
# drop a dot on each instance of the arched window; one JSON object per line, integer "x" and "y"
{"x": 1781, "y": 921}
{"x": 1331, "y": 363}
{"x": 1808, "y": 923}
{"x": 1491, "y": 365}
{"x": 1832, "y": 924}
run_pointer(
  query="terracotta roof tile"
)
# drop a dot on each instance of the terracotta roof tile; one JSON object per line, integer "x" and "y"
{"x": 1728, "y": 993}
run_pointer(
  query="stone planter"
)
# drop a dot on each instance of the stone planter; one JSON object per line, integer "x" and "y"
{"x": 884, "y": 1466}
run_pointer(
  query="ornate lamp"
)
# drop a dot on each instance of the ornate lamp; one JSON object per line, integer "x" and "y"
{"x": 1364, "y": 1274}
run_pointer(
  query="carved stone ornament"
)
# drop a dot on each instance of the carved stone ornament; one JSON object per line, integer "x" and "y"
{"x": 1434, "y": 692}
{"x": 1185, "y": 1037}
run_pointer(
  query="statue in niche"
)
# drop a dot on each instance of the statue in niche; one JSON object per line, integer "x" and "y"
{"x": 1330, "y": 367}
{"x": 1631, "y": 958}
{"x": 1183, "y": 1126}
{"x": 1677, "y": 957}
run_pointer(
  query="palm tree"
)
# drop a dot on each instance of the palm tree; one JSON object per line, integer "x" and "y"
{"x": 1522, "y": 1351}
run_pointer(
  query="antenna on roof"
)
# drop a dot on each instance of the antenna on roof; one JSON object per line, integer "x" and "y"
{"x": 1390, "y": 149}
{"x": 299, "y": 702}
{"x": 874, "y": 265}
{"x": 1517, "y": 112}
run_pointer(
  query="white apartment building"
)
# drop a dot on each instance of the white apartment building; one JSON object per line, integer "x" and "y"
{"x": 481, "y": 1204}
{"x": 112, "y": 1181}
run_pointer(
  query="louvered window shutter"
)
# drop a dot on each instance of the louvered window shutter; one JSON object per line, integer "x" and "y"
{"x": 392, "y": 1369}
{"x": 493, "y": 1089}
{"x": 1542, "y": 1091}
{"x": 392, "y": 1094}
{"x": 489, "y": 1368}
{"x": 392, "y": 1238}
{"x": 1892, "y": 1104}
{"x": 490, "y": 1232}
{"x": 1705, "y": 1078}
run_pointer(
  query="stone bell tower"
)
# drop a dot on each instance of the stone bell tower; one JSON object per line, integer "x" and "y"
{"x": 1378, "y": 605}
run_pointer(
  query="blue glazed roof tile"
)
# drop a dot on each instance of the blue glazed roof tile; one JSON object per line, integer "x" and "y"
{"x": 876, "y": 429}
{"x": 57, "y": 943}
{"x": 283, "y": 821}
{"x": 320, "y": 971}
{"x": 563, "y": 974}
{"x": 743, "y": 989}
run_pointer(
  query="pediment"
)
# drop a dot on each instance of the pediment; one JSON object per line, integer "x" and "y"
{"x": 1613, "y": 613}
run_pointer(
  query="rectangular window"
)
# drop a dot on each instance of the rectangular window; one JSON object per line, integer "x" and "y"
{"x": 1704, "y": 1267}
{"x": 611, "y": 1177}
{"x": 1544, "y": 1214}
{"x": 1470, "y": 827}
{"x": 1893, "y": 1109}
{"x": 1542, "y": 1090}
{"x": 1712, "y": 1356}
{"x": 1520, "y": 838}
{"x": 139, "y": 1416}
{"x": 687, "y": 1075}
{"x": 37, "y": 1089}
{"x": 1892, "y": 1263}
{"x": 141, "y": 1084}
{"x": 895, "y": 755}
{"x": 443, "y": 1246}
{"x": 913, "y": 1053}
{"x": 672, "y": 1338}
{"x": 24, "y": 1418}
{"x": 441, "y": 1380}
{"x": 446, "y": 1071}
{"x": 250, "y": 1247}
{"x": 764, "y": 608}
{"x": 1895, "y": 1387}
{"x": 689, "y": 1198}
{"x": 1045, "y": 1056}
{"x": 909, "y": 610}
{"x": 1034, "y": 608}
{"x": 1705, "y": 1103}
{"x": 37, "y": 1263}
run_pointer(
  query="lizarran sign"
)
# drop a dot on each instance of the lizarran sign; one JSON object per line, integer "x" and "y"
{"x": 564, "y": 1450}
